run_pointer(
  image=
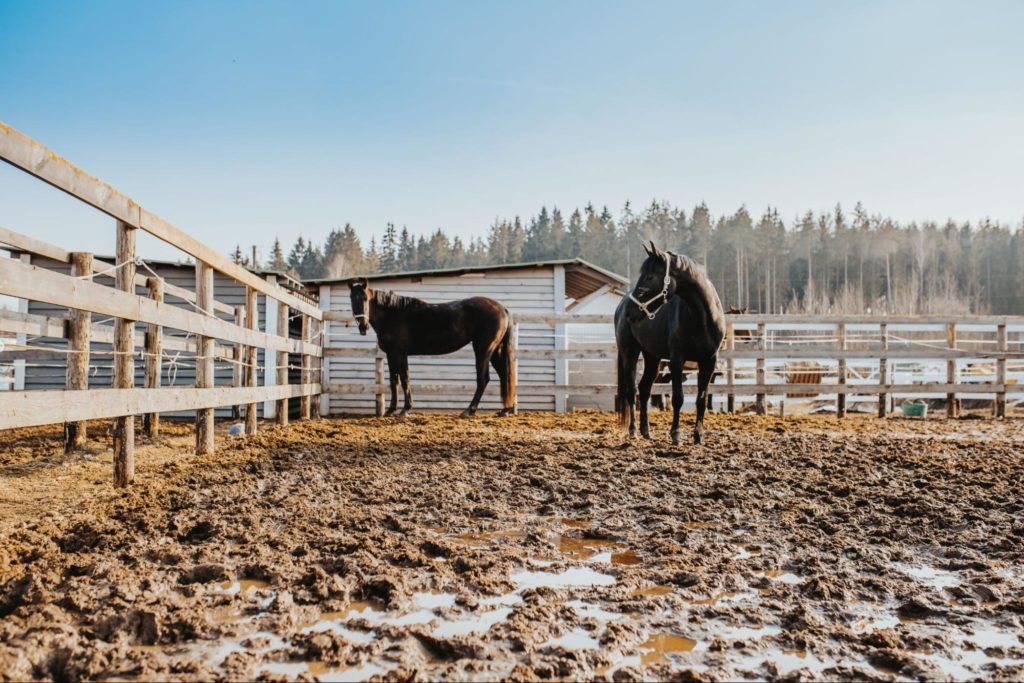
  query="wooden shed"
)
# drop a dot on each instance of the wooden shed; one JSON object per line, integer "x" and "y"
{"x": 47, "y": 370}
{"x": 545, "y": 287}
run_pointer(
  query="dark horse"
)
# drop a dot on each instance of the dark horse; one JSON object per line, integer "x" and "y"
{"x": 674, "y": 313}
{"x": 409, "y": 327}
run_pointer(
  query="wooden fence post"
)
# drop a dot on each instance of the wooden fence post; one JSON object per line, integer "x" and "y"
{"x": 154, "y": 361}
{"x": 307, "y": 371}
{"x": 841, "y": 398}
{"x": 79, "y": 328}
{"x": 378, "y": 378}
{"x": 252, "y": 313}
{"x": 730, "y": 344}
{"x": 204, "y": 359}
{"x": 238, "y": 367}
{"x": 124, "y": 350}
{"x": 1001, "y": 371}
{"x": 318, "y": 365}
{"x": 952, "y": 404}
{"x": 883, "y": 370}
{"x": 513, "y": 371}
{"x": 282, "y": 362}
{"x": 759, "y": 403}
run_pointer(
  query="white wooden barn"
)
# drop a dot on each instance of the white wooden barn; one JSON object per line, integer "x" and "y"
{"x": 545, "y": 287}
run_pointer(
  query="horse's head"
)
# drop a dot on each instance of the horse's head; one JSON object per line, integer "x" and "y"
{"x": 654, "y": 286}
{"x": 359, "y": 291}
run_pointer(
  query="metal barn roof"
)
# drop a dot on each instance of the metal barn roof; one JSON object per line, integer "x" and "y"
{"x": 581, "y": 277}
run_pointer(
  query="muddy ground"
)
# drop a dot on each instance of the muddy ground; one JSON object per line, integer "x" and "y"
{"x": 534, "y": 547}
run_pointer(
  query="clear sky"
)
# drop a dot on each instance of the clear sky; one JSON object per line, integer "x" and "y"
{"x": 239, "y": 121}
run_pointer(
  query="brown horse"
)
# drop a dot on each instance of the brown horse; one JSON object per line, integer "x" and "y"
{"x": 409, "y": 327}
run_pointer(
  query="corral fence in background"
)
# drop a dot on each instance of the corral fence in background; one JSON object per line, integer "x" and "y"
{"x": 201, "y": 319}
{"x": 857, "y": 359}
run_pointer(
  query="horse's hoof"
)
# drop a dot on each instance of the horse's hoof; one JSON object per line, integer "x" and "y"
{"x": 646, "y": 433}
{"x": 389, "y": 413}
{"x": 505, "y": 412}
{"x": 696, "y": 438}
{"x": 675, "y": 437}
{"x": 467, "y": 413}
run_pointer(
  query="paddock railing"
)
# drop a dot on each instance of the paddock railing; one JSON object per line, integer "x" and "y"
{"x": 856, "y": 359}
{"x": 146, "y": 325}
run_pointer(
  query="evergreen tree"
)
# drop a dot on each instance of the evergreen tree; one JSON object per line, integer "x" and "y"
{"x": 277, "y": 262}
{"x": 296, "y": 255}
{"x": 389, "y": 250}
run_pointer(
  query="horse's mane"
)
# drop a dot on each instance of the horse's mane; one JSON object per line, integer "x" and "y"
{"x": 691, "y": 274}
{"x": 396, "y": 302}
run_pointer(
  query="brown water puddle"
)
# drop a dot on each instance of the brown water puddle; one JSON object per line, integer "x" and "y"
{"x": 657, "y": 648}
{"x": 597, "y": 550}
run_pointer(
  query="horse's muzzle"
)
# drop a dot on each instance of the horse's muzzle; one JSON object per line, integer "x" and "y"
{"x": 363, "y": 329}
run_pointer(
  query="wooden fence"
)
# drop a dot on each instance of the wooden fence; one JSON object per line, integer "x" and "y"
{"x": 199, "y": 320}
{"x": 809, "y": 356}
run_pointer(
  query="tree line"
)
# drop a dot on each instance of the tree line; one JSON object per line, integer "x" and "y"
{"x": 824, "y": 262}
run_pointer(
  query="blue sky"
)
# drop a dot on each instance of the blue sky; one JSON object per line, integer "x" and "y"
{"x": 241, "y": 121}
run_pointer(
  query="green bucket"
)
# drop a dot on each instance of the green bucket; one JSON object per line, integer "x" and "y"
{"x": 914, "y": 409}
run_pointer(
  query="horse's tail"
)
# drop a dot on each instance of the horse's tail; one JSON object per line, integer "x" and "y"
{"x": 508, "y": 357}
{"x": 621, "y": 393}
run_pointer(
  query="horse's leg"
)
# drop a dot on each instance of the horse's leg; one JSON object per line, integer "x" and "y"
{"x": 676, "y": 367}
{"x": 498, "y": 363}
{"x": 393, "y": 365}
{"x": 646, "y": 382}
{"x": 406, "y": 387}
{"x": 483, "y": 376}
{"x": 704, "y": 373}
{"x": 627, "y": 389}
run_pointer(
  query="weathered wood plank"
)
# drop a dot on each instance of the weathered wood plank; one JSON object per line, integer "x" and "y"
{"x": 740, "y": 389}
{"x": 1001, "y": 343}
{"x": 154, "y": 358}
{"x": 252, "y": 321}
{"x": 38, "y": 284}
{"x": 33, "y": 408}
{"x": 77, "y": 373}
{"x": 204, "y": 361}
{"x": 124, "y": 363}
{"x": 50, "y": 251}
{"x": 304, "y": 402}
{"x": 282, "y": 364}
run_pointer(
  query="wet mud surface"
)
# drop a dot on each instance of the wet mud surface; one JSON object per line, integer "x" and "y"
{"x": 534, "y": 547}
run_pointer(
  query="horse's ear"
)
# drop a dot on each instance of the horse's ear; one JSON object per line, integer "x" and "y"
{"x": 647, "y": 248}
{"x": 654, "y": 249}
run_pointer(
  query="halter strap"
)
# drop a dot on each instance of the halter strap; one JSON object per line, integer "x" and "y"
{"x": 663, "y": 294}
